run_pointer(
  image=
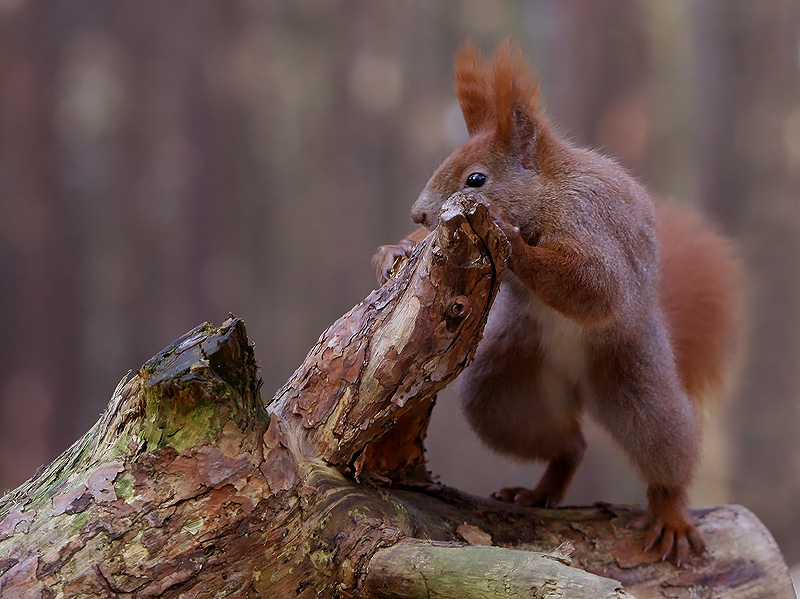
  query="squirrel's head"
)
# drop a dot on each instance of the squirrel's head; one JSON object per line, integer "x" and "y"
{"x": 508, "y": 145}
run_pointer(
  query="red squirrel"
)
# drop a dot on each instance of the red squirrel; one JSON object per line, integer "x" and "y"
{"x": 610, "y": 304}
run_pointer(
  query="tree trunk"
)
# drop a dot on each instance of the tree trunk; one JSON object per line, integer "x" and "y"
{"x": 189, "y": 487}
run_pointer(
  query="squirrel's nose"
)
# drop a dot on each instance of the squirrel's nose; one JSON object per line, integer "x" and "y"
{"x": 418, "y": 215}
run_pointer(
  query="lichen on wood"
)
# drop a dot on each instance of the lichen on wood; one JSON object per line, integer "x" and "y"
{"x": 179, "y": 441}
{"x": 413, "y": 569}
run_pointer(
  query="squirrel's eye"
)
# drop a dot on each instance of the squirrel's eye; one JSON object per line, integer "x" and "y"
{"x": 476, "y": 180}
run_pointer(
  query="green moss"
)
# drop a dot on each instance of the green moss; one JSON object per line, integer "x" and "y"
{"x": 198, "y": 384}
{"x": 184, "y": 413}
{"x": 183, "y": 396}
{"x": 123, "y": 486}
{"x": 78, "y": 521}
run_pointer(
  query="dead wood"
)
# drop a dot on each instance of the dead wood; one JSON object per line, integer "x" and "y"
{"x": 188, "y": 486}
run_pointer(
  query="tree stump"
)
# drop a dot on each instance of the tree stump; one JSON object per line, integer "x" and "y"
{"x": 189, "y": 486}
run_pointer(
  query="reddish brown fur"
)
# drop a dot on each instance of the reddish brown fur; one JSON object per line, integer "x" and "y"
{"x": 471, "y": 83}
{"x": 592, "y": 315}
{"x": 488, "y": 93}
{"x": 699, "y": 292}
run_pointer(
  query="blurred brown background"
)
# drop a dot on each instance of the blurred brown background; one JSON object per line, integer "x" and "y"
{"x": 164, "y": 163}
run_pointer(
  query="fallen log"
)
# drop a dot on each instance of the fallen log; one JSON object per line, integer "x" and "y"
{"x": 190, "y": 486}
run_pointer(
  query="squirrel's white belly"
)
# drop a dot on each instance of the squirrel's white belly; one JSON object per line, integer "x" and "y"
{"x": 562, "y": 342}
{"x": 521, "y": 331}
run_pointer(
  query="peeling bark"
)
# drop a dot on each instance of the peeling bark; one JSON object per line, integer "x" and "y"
{"x": 405, "y": 341}
{"x": 189, "y": 486}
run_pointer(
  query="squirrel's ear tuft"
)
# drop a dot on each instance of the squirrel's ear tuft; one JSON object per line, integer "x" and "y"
{"x": 515, "y": 90}
{"x": 493, "y": 93}
{"x": 473, "y": 88}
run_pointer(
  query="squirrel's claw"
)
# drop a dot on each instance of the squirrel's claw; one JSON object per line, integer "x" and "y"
{"x": 387, "y": 257}
{"x": 670, "y": 540}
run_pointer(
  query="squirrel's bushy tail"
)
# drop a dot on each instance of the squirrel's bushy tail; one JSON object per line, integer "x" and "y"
{"x": 700, "y": 293}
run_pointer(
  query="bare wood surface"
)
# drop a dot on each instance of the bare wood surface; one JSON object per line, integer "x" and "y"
{"x": 189, "y": 487}
{"x": 413, "y": 569}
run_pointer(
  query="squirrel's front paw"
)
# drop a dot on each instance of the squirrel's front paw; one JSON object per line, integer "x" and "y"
{"x": 511, "y": 232}
{"x": 388, "y": 257}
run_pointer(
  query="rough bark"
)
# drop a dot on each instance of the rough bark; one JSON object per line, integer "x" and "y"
{"x": 188, "y": 486}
